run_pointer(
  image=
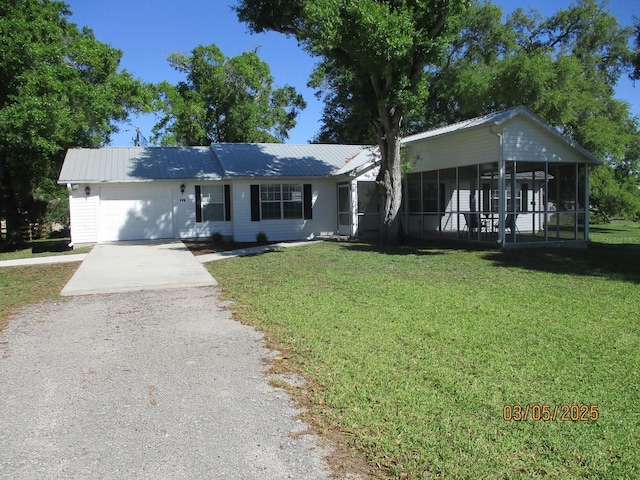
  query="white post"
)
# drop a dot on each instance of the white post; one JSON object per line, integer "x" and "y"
{"x": 353, "y": 194}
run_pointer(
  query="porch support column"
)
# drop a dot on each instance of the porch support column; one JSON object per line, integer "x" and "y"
{"x": 546, "y": 201}
{"x": 587, "y": 172}
{"x": 353, "y": 207}
{"x": 501, "y": 186}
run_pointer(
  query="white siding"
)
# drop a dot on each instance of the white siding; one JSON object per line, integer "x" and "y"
{"x": 524, "y": 140}
{"x": 185, "y": 214}
{"x": 324, "y": 213}
{"x": 468, "y": 147}
{"x": 83, "y": 213}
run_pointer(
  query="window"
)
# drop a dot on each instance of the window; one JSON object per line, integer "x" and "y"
{"x": 413, "y": 194}
{"x": 275, "y": 201}
{"x": 280, "y": 201}
{"x": 213, "y": 203}
{"x": 520, "y": 207}
{"x": 430, "y": 197}
{"x": 422, "y": 193}
{"x": 271, "y": 201}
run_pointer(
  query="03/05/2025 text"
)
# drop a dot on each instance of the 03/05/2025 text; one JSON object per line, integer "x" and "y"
{"x": 545, "y": 413}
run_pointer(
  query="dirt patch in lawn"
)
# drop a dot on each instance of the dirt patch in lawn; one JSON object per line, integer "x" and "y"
{"x": 203, "y": 247}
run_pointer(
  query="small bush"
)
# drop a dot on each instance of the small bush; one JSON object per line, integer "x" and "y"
{"x": 261, "y": 237}
{"x": 217, "y": 237}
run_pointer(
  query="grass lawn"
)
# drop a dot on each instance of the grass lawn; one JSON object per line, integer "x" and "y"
{"x": 20, "y": 286}
{"x": 413, "y": 353}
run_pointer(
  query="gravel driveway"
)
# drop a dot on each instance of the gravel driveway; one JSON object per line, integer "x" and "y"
{"x": 158, "y": 384}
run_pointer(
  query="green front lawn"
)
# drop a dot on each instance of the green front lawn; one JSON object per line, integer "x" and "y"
{"x": 20, "y": 286}
{"x": 413, "y": 353}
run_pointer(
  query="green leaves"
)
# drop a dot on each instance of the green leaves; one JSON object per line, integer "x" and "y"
{"x": 224, "y": 100}
{"x": 59, "y": 87}
{"x": 380, "y": 49}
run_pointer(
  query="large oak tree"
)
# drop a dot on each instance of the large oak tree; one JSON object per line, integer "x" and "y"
{"x": 385, "y": 47}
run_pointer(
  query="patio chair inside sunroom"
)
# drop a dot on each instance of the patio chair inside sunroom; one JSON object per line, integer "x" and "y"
{"x": 521, "y": 204}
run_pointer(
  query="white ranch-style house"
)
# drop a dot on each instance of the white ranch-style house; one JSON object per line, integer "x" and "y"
{"x": 506, "y": 178}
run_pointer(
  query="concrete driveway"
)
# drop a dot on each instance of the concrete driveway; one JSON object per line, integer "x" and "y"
{"x": 138, "y": 265}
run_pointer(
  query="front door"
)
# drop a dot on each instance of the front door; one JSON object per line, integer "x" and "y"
{"x": 344, "y": 210}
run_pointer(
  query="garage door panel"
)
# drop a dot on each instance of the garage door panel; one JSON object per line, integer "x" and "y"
{"x": 140, "y": 213}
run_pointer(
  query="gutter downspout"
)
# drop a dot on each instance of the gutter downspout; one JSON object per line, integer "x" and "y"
{"x": 70, "y": 190}
{"x": 501, "y": 187}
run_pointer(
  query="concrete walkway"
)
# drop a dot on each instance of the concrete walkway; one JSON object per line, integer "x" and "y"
{"x": 142, "y": 265}
{"x": 210, "y": 257}
{"x": 21, "y": 262}
{"x": 138, "y": 265}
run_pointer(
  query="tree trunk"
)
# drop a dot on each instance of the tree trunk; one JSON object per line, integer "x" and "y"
{"x": 9, "y": 208}
{"x": 389, "y": 181}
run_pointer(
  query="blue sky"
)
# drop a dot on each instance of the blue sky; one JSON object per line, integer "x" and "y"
{"x": 147, "y": 31}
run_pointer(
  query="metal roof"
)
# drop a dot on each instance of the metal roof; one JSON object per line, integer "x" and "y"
{"x": 220, "y": 160}
{"x": 363, "y": 161}
{"x": 495, "y": 118}
{"x": 137, "y": 164}
{"x": 282, "y": 160}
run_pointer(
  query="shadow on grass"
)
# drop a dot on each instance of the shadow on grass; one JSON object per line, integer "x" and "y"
{"x": 617, "y": 262}
{"x": 614, "y": 261}
{"x": 412, "y": 247}
{"x": 203, "y": 247}
{"x": 50, "y": 246}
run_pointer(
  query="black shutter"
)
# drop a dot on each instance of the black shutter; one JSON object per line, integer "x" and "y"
{"x": 227, "y": 203}
{"x": 198, "y": 203}
{"x": 255, "y": 203}
{"x": 307, "y": 199}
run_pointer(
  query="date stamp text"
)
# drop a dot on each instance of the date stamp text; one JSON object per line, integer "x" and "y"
{"x": 546, "y": 413}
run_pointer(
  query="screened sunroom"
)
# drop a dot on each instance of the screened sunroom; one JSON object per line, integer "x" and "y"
{"x": 506, "y": 179}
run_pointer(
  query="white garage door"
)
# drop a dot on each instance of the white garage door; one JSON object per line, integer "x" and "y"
{"x": 135, "y": 213}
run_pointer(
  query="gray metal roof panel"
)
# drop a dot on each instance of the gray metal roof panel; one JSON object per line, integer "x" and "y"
{"x": 497, "y": 118}
{"x": 282, "y": 160}
{"x": 364, "y": 160}
{"x": 133, "y": 164}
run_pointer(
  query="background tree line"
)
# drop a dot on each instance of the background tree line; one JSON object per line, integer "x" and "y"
{"x": 387, "y": 69}
{"x": 60, "y": 87}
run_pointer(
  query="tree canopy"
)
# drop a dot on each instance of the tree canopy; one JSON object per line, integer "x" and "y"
{"x": 636, "y": 58}
{"x": 383, "y": 49}
{"x": 59, "y": 87}
{"x": 564, "y": 67}
{"x": 224, "y": 100}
